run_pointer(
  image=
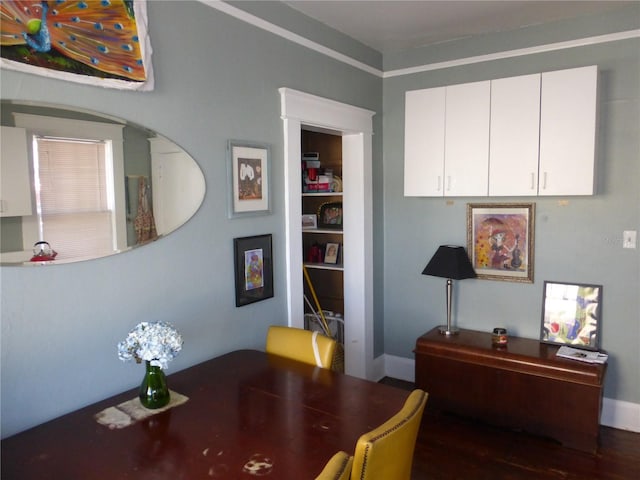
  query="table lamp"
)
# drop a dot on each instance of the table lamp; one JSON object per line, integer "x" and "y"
{"x": 450, "y": 262}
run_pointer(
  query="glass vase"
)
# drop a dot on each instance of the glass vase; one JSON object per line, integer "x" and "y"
{"x": 154, "y": 392}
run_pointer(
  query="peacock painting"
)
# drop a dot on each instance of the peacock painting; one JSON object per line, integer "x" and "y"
{"x": 98, "y": 38}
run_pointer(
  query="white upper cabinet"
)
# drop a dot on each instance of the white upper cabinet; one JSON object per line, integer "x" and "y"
{"x": 15, "y": 181}
{"x": 568, "y": 131}
{"x": 514, "y": 136}
{"x": 466, "y": 146}
{"x": 447, "y": 140}
{"x": 520, "y": 136}
{"x": 424, "y": 142}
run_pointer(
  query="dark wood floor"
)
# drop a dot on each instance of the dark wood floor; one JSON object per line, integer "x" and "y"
{"x": 451, "y": 447}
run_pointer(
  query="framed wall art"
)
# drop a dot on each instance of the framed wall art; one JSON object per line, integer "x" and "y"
{"x": 500, "y": 240}
{"x": 571, "y": 314}
{"x": 249, "y": 182}
{"x": 253, "y": 269}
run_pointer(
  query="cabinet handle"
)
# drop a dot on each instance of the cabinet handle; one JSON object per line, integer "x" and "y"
{"x": 439, "y": 183}
{"x": 544, "y": 181}
{"x": 448, "y": 183}
{"x": 533, "y": 185}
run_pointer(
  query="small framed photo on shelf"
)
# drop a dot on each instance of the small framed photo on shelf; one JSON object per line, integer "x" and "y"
{"x": 253, "y": 269}
{"x": 309, "y": 222}
{"x": 571, "y": 314}
{"x": 330, "y": 215}
{"x": 331, "y": 253}
{"x": 248, "y": 171}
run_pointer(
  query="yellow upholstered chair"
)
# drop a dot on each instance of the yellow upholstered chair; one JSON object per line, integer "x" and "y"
{"x": 337, "y": 468}
{"x": 386, "y": 452}
{"x": 301, "y": 345}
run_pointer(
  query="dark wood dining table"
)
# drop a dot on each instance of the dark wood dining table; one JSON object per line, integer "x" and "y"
{"x": 248, "y": 414}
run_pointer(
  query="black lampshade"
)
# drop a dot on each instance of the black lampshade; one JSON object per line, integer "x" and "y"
{"x": 450, "y": 261}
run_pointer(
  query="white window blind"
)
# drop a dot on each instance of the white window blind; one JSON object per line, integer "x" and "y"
{"x": 73, "y": 204}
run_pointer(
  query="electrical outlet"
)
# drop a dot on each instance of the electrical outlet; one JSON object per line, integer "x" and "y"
{"x": 629, "y": 239}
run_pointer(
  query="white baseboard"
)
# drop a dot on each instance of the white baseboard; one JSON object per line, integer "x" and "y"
{"x": 620, "y": 414}
{"x": 615, "y": 413}
{"x": 398, "y": 367}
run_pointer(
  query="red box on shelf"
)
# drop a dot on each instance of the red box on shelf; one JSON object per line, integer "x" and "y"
{"x": 316, "y": 187}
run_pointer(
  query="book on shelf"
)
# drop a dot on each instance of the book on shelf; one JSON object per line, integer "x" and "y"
{"x": 582, "y": 355}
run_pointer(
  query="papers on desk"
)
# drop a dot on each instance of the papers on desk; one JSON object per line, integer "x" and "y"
{"x": 582, "y": 355}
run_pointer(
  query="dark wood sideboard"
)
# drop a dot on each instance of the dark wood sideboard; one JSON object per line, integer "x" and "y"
{"x": 523, "y": 385}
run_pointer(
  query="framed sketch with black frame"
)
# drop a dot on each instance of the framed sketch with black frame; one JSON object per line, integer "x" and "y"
{"x": 253, "y": 269}
{"x": 571, "y": 314}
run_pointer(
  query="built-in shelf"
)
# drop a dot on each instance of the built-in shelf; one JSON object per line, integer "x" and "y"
{"x": 321, "y": 230}
{"x": 323, "y": 194}
{"x": 325, "y": 266}
{"x": 348, "y": 291}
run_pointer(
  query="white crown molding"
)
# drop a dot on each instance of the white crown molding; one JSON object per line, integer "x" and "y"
{"x": 615, "y": 413}
{"x": 580, "y": 42}
{"x": 294, "y": 37}
{"x": 300, "y": 40}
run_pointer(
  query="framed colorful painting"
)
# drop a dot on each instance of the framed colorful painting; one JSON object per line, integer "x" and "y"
{"x": 500, "y": 240}
{"x": 571, "y": 314}
{"x": 249, "y": 179}
{"x": 253, "y": 269}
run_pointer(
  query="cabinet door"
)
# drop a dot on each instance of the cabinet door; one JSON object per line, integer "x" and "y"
{"x": 424, "y": 142}
{"x": 14, "y": 174}
{"x": 514, "y": 136}
{"x": 567, "y": 131}
{"x": 466, "y": 171}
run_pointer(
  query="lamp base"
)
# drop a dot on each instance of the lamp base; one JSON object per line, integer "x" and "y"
{"x": 444, "y": 330}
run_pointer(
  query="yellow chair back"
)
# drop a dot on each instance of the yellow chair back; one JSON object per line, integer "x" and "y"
{"x": 386, "y": 452}
{"x": 301, "y": 345}
{"x": 337, "y": 468}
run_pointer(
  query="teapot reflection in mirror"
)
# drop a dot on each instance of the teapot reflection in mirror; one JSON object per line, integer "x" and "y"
{"x": 105, "y": 203}
{"x": 42, "y": 252}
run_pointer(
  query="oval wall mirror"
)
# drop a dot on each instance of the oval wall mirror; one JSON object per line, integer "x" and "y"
{"x": 78, "y": 185}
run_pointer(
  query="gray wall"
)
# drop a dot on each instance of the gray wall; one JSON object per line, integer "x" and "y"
{"x": 577, "y": 242}
{"x": 216, "y": 79}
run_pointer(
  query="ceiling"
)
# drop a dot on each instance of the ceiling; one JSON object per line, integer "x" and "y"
{"x": 394, "y": 25}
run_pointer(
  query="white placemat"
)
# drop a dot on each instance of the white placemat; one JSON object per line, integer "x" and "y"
{"x": 132, "y": 411}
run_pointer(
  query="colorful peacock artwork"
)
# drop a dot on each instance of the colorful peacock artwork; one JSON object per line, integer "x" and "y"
{"x": 97, "y": 38}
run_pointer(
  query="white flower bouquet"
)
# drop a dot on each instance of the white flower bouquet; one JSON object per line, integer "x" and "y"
{"x": 154, "y": 342}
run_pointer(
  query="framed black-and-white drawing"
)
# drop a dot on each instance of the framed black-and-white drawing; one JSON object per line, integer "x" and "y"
{"x": 249, "y": 179}
{"x": 253, "y": 269}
